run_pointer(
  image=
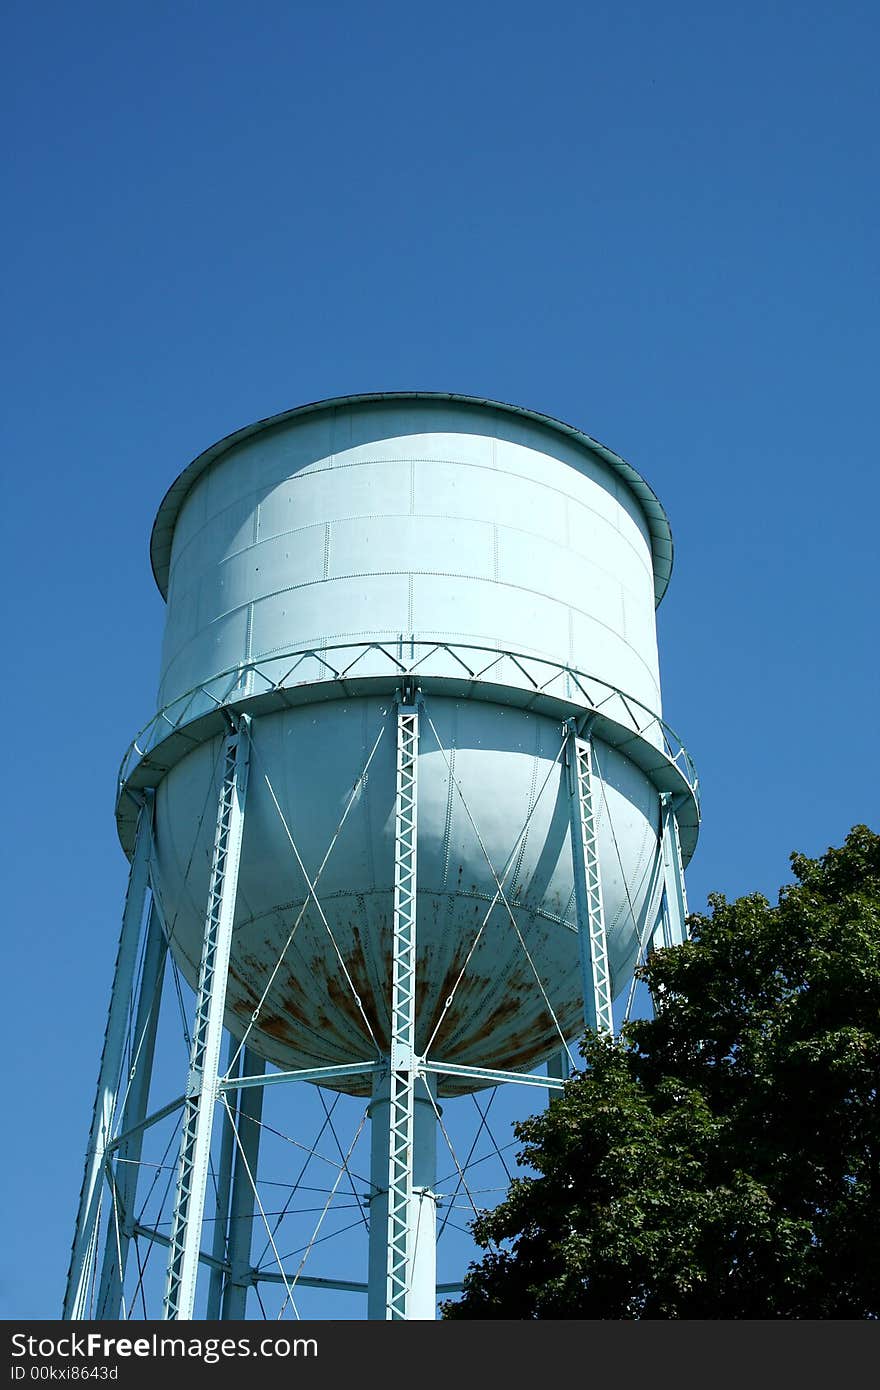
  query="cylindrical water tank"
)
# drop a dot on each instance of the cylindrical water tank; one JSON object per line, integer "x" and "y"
{"x": 509, "y": 566}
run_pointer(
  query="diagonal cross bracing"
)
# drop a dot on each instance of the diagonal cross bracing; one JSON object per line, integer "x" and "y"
{"x": 312, "y": 885}
{"x": 403, "y": 1062}
{"x": 500, "y": 894}
{"x": 592, "y": 941}
{"x": 195, "y": 1146}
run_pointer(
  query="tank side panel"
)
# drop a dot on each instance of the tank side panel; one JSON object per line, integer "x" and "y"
{"x": 365, "y": 525}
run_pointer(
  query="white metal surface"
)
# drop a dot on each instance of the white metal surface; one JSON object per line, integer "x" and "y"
{"x": 408, "y": 520}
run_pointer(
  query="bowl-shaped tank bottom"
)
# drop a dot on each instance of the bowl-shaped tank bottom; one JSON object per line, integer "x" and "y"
{"x": 497, "y": 981}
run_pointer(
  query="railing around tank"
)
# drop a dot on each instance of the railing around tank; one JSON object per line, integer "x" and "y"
{"x": 345, "y": 662}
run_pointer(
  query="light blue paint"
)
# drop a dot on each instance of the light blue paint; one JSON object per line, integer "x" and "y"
{"x": 409, "y": 520}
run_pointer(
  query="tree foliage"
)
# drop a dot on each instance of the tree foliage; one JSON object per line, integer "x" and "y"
{"x": 722, "y": 1159}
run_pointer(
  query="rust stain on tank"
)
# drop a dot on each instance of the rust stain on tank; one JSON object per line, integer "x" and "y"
{"x": 277, "y": 1028}
{"x": 294, "y": 1008}
{"x": 248, "y": 1003}
{"x": 511, "y": 1007}
{"x": 466, "y": 996}
{"x": 341, "y": 996}
{"x": 495, "y": 1018}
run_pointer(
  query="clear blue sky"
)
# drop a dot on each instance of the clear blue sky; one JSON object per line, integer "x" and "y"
{"x": 656, "y": 222}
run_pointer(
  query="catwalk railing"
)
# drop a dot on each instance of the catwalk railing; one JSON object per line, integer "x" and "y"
{"x": 291, "y": 678}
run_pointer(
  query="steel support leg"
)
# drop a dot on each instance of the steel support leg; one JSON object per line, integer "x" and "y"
{"x": 224, "y": 1185}
{"x": 241, "y": 1212}
{"x": 673, "y": 926}
{"x": 198, "y": 1115}
{"x": 595, "y": 972}
{"x": 135, "y": 1112}
{"x": 558, "y": 1066}
{"x": 421, "y": 1219}
{"x": 402, "y": 1062}
{"x": 85, "y": 1236}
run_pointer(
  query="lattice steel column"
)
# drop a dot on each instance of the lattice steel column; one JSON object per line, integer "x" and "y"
{"x": 198, "y": 1115}
{"x": 422, "y": 1219}
{"x": 403, "y": 1013}
{"x": 595, "y": 971}
{"x": 85, "y": 1237}
{"x": 127, "y": 1159}
{"x": 674, "y": 907}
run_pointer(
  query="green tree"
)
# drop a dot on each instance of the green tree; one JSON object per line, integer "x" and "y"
{"x": 722, "y": 1159}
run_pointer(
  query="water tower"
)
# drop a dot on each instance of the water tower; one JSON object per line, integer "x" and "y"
{"x": 408, "y": 812}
